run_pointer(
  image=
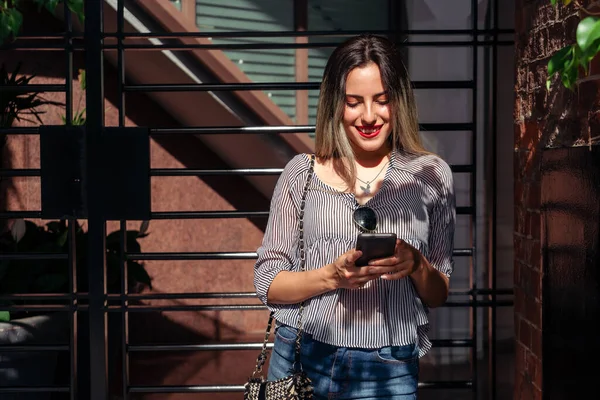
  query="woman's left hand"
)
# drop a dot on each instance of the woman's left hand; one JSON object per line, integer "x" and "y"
{"x": 403, "y": 263}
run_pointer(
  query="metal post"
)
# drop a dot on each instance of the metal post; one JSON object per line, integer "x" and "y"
{"x": 96, "y": 224}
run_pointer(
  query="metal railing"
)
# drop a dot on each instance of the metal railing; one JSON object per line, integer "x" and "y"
{"x": 98, "y": 304}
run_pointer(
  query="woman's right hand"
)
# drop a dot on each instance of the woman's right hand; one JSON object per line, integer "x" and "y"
{"x": 346, "y": 274}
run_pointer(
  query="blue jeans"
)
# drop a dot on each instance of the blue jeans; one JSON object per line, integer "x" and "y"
{"x": 347, "y": 373}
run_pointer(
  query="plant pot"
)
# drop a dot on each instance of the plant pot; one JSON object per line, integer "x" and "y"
{"x": 30, "y": 368}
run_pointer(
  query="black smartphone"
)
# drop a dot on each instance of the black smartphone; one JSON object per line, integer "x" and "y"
{"x": 374, "y": 245}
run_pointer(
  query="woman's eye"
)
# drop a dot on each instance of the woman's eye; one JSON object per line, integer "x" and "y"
{"x": 383, "y": 102}
{"x": 351, "y": 105}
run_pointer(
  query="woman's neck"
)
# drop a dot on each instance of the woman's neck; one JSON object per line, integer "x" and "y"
{"x": 370, "y": 159}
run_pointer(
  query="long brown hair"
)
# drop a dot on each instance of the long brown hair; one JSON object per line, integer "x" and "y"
{"x": 331, "y": 141}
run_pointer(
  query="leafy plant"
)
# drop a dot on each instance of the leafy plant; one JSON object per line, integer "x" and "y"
{"x": 52, "y": 276}
{"x": 11, "y": 18}
{"x": 571, "y": 60}
{"x": 16, "y": 104}
{"x": 79, "y": 116}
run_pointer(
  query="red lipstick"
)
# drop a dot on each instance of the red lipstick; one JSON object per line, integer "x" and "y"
{"x": 369, "y": 132}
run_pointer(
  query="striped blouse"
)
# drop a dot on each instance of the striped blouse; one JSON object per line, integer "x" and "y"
{"x": 416, "y": 201}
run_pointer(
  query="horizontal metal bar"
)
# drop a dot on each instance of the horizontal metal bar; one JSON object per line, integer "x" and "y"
{"x": 191, "y": 307}
{"x": 37, "y": 297}
{"x": 462, "y": 252}
{"x": 37, "y": 308}
{"x": 240, "y": 388}
{"x": 257, "y": 307}
{"x": 479, "y": 303}
{"x": 59, "y": 35}
{"x": 286, "y": 129}
{"x": 185, "y": 389}
{"x": 36, "y": 172}
{"x": 239, "y": 295}
{"x": 182, "y": 296}
{"x": 479, "y": 292}
{"x": 213, "y": 87}
{"x": 198, "y": 347}
{"x": 465, "y": 210}
{"x": 33, "y": 256}
{"x": 41, "y": 45}
{"x": 462, "y": 168}
{"x": 293, "y": 46}
{"x": 207, "y": 214}
{"x": 27, "y": 130}
{"x": 446, "y": 385}
{"x": 20, "y": 172}
{"x": 20, "y": 214}
{"x": 231, "y": 130}
{"x": 213, "y": 172}
{"x": 501, "y": 291}
{"x": 34, "y": 348}
{"x": 250, "y": 171}
{"x": 258, "y": 346}
{"x": 242, "y": 255}
{"x": 268, "y": 34}
{"x": 438, "y": 343}
{"x": 241, "y": 214}
{"x": 236, "y": 130}
{"x": 33, "y": 88}
{"x": 33, "y": 389}
{"x": 308, "y": 33}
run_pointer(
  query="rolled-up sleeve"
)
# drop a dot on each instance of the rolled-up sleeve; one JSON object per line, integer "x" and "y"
{"x": 442, "y": 222}
{"x": 279, "y": 247}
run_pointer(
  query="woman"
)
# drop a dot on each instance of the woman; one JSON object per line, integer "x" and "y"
{"x": 364, "y": 328}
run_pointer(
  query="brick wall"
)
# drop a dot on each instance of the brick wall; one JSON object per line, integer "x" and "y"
{"x": 543, "y": 119}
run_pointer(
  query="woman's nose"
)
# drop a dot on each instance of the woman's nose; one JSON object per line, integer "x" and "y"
{"x": 369, "y": 117}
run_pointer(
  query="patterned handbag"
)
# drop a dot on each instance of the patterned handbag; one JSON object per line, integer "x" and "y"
{"x": 296, "y": 386}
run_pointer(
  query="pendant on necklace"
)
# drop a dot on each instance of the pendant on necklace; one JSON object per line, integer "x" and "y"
{"x": 366, "y": 189}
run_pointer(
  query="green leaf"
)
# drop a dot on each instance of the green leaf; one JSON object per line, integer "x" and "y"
{"x": 588, "y": 31}
{"x": 14, "y": 20}
{"x": 51, "y": 5}
{"x": 559, "y": 60}
{"x": 81, "y": 79}
{"x": 553, "y": 2}
{"x": 4, "y": 28}
{"x": 76, "y": 6}
{"x": 4, "y": 316}
{"x": 567, "y": 2}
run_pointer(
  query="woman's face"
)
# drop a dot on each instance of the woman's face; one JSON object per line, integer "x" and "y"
{"x": 367, "y": 113}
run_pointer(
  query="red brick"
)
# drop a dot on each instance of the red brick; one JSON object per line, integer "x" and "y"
{"x": 531, "y": 365}
{"x": 536, "y": 342}
{"x": 520, "y": 224}
{"x": 518, "y": 191}
{"x": 533, "y": 196}
{"x": 534, "y": 220}
{"x": 520, "y": 353}
{"x": 519, "y": 301}
{"x": 535, "y": 259}
{"x": 518, "y": 385}
{"x": 525, "y": 333}
{"x": 533, "y": 311}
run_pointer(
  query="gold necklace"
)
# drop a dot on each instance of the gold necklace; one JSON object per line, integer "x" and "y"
{"x": 367, "y": 189}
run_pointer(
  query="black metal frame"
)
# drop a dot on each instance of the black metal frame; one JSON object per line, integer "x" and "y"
{"x": 91, "y": 356}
